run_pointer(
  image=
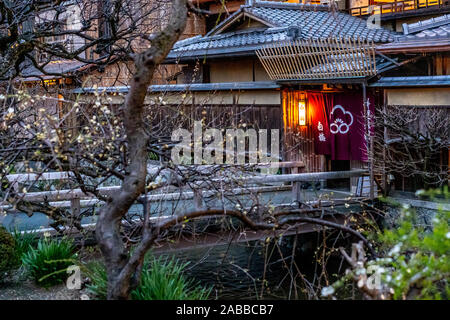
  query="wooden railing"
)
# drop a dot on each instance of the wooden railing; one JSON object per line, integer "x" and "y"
{"x": 76, "y": 198}
{"x": 395, "y": 7}
{"x": 198, "y": 196}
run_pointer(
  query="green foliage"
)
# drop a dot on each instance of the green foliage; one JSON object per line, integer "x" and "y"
{"x": 164, "y": 280}
{"x": 24, "y": 241}
{"x": 153, "y": 156}
{"x": 7, "y": 252}
{"x": 417, "y": 261}
{"x": 48, "y": 262}
{"x": 414, "y": 260}
{"x": 98, "y": 285}
{"x": 161, "y": 280}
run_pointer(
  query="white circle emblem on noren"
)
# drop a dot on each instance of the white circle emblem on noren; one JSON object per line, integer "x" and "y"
{"x": 339, "y": 126}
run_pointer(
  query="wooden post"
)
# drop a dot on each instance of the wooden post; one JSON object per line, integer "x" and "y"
{"x": 372, "y": 172}
{"x": 370, "y": 141}
{"x": 198, "y": 199}
{"x": 323, "y": 165}
{"x": 385, "y": 136}
{"x": 296, "y": 188}
{"x": 75, "y": 206}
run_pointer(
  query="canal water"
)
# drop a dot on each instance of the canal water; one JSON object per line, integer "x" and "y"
{"x": 256, "y": 270}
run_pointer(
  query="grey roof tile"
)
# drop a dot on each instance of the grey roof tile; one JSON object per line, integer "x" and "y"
{"x": 254, "y": 85}
{"x": 439, "y": 32}
{"x": 434, "y": 28}
{"x": 234, "y": 39}
{"x": 417, "y": 81}
{"x": 427, "y": 25}
{"x": 314, "y": 21}
{"x": 56, "y": 67}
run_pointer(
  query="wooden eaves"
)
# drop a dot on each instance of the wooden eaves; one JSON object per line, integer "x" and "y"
{"x": 423, "y": 46}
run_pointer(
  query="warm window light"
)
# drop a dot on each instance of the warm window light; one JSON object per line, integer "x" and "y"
{"x": 302, "y": 113}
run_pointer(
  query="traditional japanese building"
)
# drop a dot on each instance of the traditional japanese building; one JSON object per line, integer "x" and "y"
{"x": 298, "y": 67}
{"x": 318, "y": 73}
{"x": 422, "y": 84}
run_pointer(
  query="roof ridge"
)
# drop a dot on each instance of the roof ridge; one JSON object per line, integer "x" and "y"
{"x": 186, "y": 41}
{"x": 426, "y": 24}
{"x": 200, "y": 39}
{"x": 276, "y": 29}
{"x": 239, "y": 32}
{"x": 289, "y": 5}
{"x": 282, "y": 24}
{"x": 272, "y": 5}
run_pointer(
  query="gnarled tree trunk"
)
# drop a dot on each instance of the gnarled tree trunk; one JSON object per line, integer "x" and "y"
{"x": 123, "y": 272}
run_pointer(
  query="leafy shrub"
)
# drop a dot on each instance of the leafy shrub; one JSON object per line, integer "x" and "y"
{"x": 8, "y": 257}
{"x": 24, "y": 241}
{"x": 48, "y": 262}
{"x": 414, "y": 261}
{"x": 164, "y": 280}
{"x": 161, "y": 280}
{"x": 417, "y": 262}
{"x": 98, "y": 285}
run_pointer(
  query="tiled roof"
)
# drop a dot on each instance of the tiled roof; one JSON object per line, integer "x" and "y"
{"x": 419, "y": 81}
{"x": 318, "y": 23}
{"x": 441, "y": 32}
{"x": 283, "y": 20}
{"x": 30, "y": 73}
{"x": 426, "y": 35}
{"x": 232, "y": 39}
{"x": 219, "y": 86}
{"x": 431, "y": 28}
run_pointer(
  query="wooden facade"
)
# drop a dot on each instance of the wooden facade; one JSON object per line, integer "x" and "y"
{"x": 300, "y": 67}
{"x": 298, "y": 141}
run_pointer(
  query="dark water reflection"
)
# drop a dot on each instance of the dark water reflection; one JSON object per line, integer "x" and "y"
{"x": 237, "y": 271}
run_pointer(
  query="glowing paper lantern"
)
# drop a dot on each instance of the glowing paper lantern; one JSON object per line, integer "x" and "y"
{"x": 302, "y": 113}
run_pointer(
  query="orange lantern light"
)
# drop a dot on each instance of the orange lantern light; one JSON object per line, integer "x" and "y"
{"x": 302, "y": 113}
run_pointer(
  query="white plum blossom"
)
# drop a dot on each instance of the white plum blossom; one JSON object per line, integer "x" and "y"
{"x": 420, "y": 192}
{"x": 395, "y": 250}
{"x": 406, "y": 206}
{"x": 327, "y": 291}
{"x": 360, "y": 283}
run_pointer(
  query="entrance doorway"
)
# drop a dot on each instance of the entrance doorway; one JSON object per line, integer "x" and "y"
{"x": 338, "y": 165}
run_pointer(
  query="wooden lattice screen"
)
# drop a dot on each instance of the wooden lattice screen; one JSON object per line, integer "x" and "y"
{"x": 318, "y": 59}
